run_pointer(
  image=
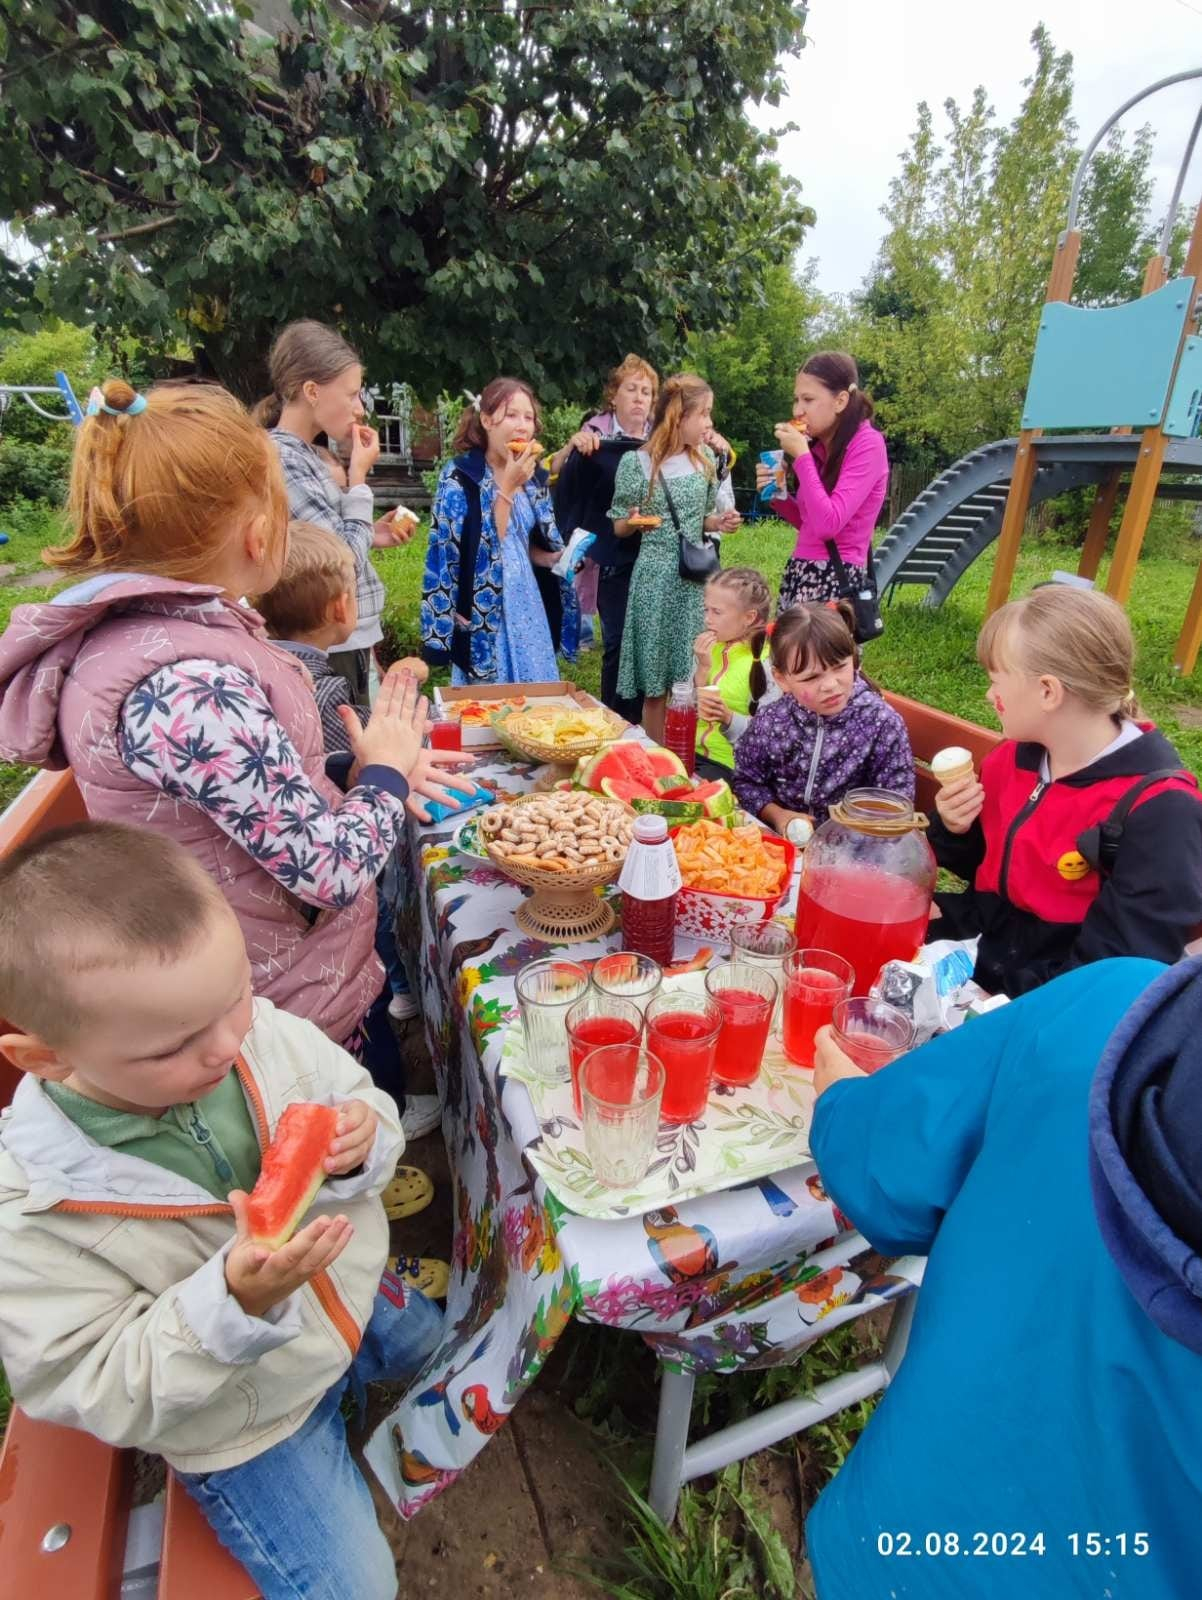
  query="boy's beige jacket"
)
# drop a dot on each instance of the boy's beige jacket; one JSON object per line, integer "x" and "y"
{"x": 114, "y": 1312}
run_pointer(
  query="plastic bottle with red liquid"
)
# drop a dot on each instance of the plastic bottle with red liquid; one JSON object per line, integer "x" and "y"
{"x": 650, "y": 882}
{"x": 680, "y": 723}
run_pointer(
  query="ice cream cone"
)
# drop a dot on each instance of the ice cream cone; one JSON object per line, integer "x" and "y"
{"x": 950, "y": 765}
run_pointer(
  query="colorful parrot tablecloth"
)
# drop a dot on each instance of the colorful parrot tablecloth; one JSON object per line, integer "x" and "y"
{"x": 715, "y": 1283}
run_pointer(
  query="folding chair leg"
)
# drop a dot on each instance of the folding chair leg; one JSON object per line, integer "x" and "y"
{"x": 671, "y": 1440}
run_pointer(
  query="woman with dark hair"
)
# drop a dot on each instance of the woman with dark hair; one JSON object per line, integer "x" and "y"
{"x": 842, "y": 477}
{"x": 490, "y": 526}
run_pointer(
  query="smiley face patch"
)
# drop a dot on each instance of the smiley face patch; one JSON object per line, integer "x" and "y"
{"x": 1072, "y": 865}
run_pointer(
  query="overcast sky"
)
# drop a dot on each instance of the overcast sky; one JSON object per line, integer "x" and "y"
{"x": 855, "y": 87}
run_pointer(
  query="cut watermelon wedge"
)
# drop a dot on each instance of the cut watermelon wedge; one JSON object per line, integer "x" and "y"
{"x": 624, "y": 789}
{"x": 673, "y": 785}
{"x": 292, "y": 1172}
{"x": 715, "y": 797}
{"x": 664, "y": 764}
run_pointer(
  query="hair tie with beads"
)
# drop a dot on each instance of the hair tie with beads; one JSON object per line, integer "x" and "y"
{"x": 97, "y": 402}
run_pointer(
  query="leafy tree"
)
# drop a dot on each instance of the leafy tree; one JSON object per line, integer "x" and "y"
{"x": 752, "y": 362}
{"x": 465, "y": 186}
{"x": 946, "y": 323}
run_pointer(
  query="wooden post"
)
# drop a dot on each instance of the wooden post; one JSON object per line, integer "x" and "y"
{"x": 1146, "y": 479}
{"x": 1099, "y": 523}
{"x": 1060, "y": 287}
{"x": 1185, "y": 656}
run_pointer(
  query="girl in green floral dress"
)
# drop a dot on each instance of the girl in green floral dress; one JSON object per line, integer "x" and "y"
{"x": 666, "y": 612}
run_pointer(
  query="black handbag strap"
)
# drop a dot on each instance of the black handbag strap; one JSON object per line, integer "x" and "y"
{"x": 836, "y": 561}
{"x": 663, "y": 482}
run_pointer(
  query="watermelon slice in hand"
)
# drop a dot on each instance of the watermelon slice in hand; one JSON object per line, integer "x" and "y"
{"x": 292, "y": 1172}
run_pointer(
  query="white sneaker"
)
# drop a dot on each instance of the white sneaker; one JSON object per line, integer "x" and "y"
{"x": 401, "y": 1007}
{"x": 423, "y": 1113}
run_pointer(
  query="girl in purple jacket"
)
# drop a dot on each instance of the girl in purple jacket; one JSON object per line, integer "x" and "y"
{"x": 829, "y": 732}
{"x": 842, "y": 475}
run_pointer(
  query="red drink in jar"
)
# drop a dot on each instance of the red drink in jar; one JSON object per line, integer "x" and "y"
{"x": 591, "y": 1033}
{"x": 682, "y": 1030}
{"x": 864, "y": 914}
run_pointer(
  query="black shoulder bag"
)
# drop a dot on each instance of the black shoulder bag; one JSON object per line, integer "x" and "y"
{"x": 696, "y": 563}
{"x": 865, "y": 603}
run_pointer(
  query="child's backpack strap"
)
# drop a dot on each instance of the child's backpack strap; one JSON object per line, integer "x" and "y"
{"x": 1100, "y": 844}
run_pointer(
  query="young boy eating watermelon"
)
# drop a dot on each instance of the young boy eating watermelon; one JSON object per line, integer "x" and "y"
{"x": 134, "y": 1300}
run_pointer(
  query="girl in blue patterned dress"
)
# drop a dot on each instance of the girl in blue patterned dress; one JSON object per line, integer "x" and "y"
{"x": 491, "y": 525}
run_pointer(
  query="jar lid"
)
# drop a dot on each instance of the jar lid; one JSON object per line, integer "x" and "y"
{"x": 879, "y": 811}
{"x": 651, "y": 829}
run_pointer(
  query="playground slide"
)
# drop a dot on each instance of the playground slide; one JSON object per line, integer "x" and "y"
{"x": 959, "y": 515}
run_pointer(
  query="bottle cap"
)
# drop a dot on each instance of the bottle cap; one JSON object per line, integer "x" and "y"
{"x": 651, "y": 829}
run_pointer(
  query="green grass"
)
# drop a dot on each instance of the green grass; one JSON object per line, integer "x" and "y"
{"x": 929, "y": 655}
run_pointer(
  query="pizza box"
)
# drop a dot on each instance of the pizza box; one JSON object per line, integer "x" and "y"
{"x": 480, "y": 734}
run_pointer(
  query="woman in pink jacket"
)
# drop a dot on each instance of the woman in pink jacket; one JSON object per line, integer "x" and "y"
{"x": 842, "y": 475}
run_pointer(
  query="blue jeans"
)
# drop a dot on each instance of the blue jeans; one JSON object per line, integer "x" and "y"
{"x": 300, "y": 1517}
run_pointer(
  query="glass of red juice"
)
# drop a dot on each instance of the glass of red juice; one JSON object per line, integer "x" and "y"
{"x": 765, "y": 945}
{"x": 815, "y": 982}
{"x": 746, "y": 998}
{"x": 871, "y": 1032}
{"x": 445, "y": 734}
{"x": 682, "y": 1030}
{"x": 597, "y": 1020}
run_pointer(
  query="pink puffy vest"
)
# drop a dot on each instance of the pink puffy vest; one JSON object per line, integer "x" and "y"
{"x": 92, "y": 654}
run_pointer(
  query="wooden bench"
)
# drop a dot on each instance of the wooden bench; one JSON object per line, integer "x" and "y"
{"x": 931, "y": 731}
{"x": 67, "y": 1524}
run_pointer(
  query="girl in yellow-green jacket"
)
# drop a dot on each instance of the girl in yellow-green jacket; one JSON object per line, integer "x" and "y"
{"x": 732, "y": 675}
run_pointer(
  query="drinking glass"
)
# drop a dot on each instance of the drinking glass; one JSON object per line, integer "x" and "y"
{"x": 628, "y": 974}
{"x": 622, "y": 1088}
{"x": 815, "y": 982}
{"x": 765, "y": 945}
{"x": 682, "y": 1030}
{"x": 546, "y": 990}
{"x": 597, "y": 1020}
{"x": 871, "y": 1032}
{"x": 746, "y": 997}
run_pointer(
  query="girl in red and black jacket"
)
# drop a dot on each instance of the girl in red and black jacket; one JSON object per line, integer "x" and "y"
{"x": 1082, "y": 838}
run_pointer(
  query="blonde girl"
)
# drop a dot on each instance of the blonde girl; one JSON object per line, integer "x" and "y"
{"x": 666, "y": 611}
{"x": 1082, "y": 836}
{"x": 732, "y": 677}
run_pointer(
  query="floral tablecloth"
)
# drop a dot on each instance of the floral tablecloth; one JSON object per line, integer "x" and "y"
{"x": 713, "y": 1283}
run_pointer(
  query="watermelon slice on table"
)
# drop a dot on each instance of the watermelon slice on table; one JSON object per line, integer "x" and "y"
{"x": 673, "y": 785}
{"x": 626, "y": 790}
{"x": 292, "y": 1172}
{"x": 715, "y": 796}
{"x": 664, "y": 763}
{"x": 675, "y": 810}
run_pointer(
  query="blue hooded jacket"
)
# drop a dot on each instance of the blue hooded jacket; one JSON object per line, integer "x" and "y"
{"x": 1051, "y": 1394}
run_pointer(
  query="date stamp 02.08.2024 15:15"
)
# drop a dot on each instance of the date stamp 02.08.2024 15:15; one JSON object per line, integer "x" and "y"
{"x": 1091, "y": 1544}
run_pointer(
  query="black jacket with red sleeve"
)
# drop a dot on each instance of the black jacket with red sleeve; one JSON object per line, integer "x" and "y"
{"x": 1037, "y": 903}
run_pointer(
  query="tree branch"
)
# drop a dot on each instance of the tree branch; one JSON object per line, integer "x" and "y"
{"x": 138, "y": 228}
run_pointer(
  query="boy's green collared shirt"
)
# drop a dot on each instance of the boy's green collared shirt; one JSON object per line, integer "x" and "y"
{"x": 211, "y": 1142}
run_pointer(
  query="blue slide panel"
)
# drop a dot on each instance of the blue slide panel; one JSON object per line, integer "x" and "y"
{"x": 1109, "y": 366}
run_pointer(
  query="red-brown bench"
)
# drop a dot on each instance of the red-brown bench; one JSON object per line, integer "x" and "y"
{"x": 68, "y": 1530}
